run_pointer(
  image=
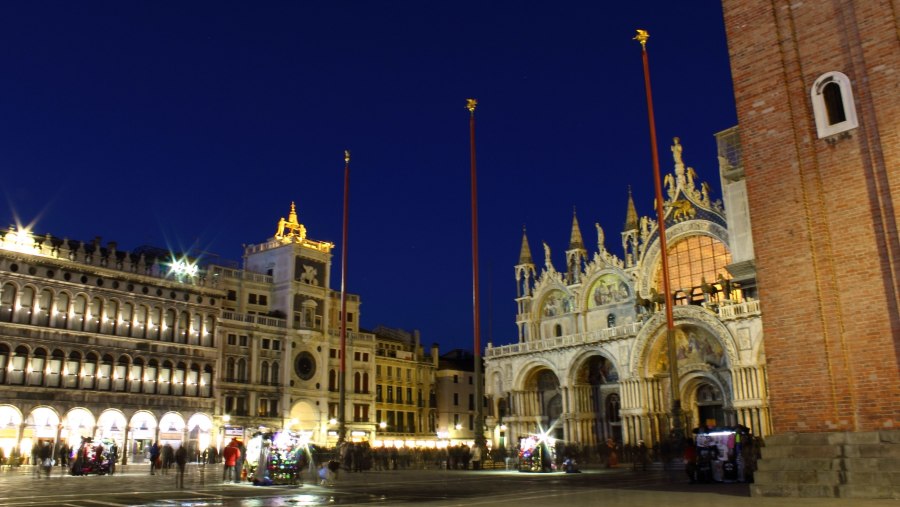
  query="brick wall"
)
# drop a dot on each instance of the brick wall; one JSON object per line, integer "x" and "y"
{"x": 824, "y": 214}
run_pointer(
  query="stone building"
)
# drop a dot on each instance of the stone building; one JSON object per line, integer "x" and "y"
{"x": 133, "y": 347}
{"x": 280, "y": 342}
{"x": 456, "y": 409}
{"x": 816, "y": 87}
{"x": 98, "y": 343}
{"x": 590, "y": 361}
{"x": 405, "y": 388}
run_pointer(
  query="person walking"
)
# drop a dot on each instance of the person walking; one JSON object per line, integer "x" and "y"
{"x": 230, "y": 455}
{"x": 168, "y": 457}
{"x": 476, "y": 457}
{"x": 154, "y": 458}
{"x": 180, "y": 463}
{"x": 113, "y": 458}
{"x": 690, "y": 460}
{"x": 613, "y": 460}
{"x": 36, "y": 460}
{"x": 641, "y": 458}
{"x": 45, "y": 455}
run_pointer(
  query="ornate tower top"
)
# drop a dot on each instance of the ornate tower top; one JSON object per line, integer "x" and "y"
{"x": 631, "y": 216}
{"x": 525, "y": 251}
{"x": 291, "y": 228}
{"x": 575, "y": 241}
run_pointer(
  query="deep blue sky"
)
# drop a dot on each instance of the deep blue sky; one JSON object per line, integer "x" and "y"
{"x": 195, "y": 124}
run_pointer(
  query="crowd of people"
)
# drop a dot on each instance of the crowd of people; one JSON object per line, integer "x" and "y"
{"x": 94, "y": 457}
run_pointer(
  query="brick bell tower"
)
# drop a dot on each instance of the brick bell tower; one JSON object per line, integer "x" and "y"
{"x": 817, "y": 86}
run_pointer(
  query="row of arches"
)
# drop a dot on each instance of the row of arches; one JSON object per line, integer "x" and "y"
{"x": 41, "y": 367}
{"x": 582, "y": 398}
{"x": 60, "y": 309}
{"x": 21, "y": 431}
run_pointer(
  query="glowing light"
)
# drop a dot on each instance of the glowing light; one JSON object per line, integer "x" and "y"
{"x": 20, "y": 241}
{"x": 458, "y": 426}
{"x": 382, "y": 425}
{"x": 332, "y": 421}
{"x": 183, "y": 268}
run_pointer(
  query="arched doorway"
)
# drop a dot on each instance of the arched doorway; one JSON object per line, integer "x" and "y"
{"x": 596, "y": 379}
{"x": 199, "y": 428}
{"x": 710, "y": 406}
{"x": 542, "y": 401}
{"x": 305, "y": 419}
{"x": 700, "y": 355}
{"x": 10, "y": 423}
{"x": 41, "y": 428}
{"x": 143, "y": 434}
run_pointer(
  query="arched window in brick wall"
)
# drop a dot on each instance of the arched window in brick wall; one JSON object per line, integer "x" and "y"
{"x": 833, "y": 105}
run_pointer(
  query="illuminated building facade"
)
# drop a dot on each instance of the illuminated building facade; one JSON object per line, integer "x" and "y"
{"x": 280, "y": 333}
{"x": 456, "y": 397}
{"x": 404, "y": 389}
{"x": 132, "y": 347}
{"x": 591, "y": 362}
{"x": 99, "y": 343}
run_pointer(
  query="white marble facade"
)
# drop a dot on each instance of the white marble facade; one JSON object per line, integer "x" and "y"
{"x": 591, "y": 362}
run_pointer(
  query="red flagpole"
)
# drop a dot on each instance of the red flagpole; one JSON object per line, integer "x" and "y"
{"x": 642, "y": 37}
{"x": 476, "y": 310}
{"x": 342, "y": 406}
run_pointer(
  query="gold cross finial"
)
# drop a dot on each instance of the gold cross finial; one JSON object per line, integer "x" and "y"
{"x": 470, "y": 105}
{"x": 347, "y": 156}
{"x": 642, "y": 36}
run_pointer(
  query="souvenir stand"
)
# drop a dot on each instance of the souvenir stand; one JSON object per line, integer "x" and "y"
{"x": 537, "y": 453}
{"x": 719, "y": 453}
{"x": 91, "y": 457}
{"x": 276, "y": 458}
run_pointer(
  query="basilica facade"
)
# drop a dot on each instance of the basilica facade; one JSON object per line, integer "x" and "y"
{"x": 591, "y": 358}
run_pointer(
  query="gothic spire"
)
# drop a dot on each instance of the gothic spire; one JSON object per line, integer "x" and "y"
{"x": 575, "y": 241}
{"x": 525, "y": 252}
{"x": 631, "y": 216}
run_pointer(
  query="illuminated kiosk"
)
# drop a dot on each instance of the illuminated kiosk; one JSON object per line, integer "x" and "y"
{"x": 537, "y": 453}
{"x": 724, "y": 454}
{"x": 277, "y": 458}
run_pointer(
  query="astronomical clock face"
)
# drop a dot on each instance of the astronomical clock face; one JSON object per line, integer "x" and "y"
{"x": 305, "y": 365}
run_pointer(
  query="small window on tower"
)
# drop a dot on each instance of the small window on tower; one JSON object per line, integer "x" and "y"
{"x": 833, "y": 106}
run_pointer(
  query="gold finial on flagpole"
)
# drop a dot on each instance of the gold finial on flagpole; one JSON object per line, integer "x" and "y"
{"x": 347, "y": 156}
{"x": 642, "y": 36}
{"x": 470, "y": 105}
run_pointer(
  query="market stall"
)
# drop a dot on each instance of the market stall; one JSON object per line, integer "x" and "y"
{"x": 537, "y": 453}
{"x": 277, "y": 458}
{"x": 722, "y": 453}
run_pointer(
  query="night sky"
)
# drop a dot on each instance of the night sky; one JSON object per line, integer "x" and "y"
{"x": 193, "y": 125}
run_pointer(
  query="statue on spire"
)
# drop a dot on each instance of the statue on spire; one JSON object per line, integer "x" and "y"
{"x": 294, "y": 228}
{"x": 547, "y": 261}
